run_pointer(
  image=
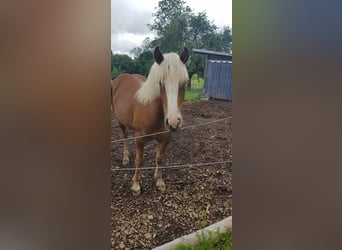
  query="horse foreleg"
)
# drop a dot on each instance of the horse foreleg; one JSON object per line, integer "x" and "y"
{"x": 125, "y": 159}
{"x": 139, "y": 160}
{"x": 159, "y": 161}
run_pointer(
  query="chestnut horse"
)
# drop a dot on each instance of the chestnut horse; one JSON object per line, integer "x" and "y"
{"x": 149, "y": 106}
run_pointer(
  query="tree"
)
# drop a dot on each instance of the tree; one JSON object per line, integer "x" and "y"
{"x": 122, "y": 64}
{"x": 136, "y": 51}
{"x": 226, "y": 37}
{"x": 177, "y": 26}
{"x": 175, "y": 36}
{"x": 200, "y": 27}
{"x": 144, "y": 62}
{"x": 168, "y": 11}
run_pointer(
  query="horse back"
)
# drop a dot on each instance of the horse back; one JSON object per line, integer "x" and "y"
{"x": 124, "y": 88}
{"x": 130, "y": 82}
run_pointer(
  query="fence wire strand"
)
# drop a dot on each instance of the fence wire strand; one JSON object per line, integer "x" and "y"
{"x": 162, "y": 132}
{"x": 174, "y": 166}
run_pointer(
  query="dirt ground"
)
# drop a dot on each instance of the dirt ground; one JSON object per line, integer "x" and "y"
{"x": 195, "y": 196}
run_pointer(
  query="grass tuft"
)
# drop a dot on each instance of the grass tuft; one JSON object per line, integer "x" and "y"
{"x": 222, "y": 241}
{"x": 196, "y": 91}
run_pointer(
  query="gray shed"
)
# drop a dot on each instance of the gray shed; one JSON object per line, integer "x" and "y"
{"x": 217, "y": 74}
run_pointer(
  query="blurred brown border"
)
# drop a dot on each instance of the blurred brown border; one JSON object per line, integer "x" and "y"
{"x": 287, "y": 122}
{"x": 55, "y": 130}
{"x": 55, "y": 124}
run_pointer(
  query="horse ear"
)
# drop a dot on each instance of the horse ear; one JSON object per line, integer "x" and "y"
{"x": 158, "y": 56}
{"x": 185, "y": 55}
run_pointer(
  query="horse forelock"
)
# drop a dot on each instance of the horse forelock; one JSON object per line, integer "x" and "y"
{"x": 170, "y": 71}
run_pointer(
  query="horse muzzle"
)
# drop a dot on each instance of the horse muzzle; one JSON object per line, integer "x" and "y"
{"x": 173, "y": 125}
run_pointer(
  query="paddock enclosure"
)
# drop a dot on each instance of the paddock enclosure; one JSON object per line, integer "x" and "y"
{"x": 196, "y": 196}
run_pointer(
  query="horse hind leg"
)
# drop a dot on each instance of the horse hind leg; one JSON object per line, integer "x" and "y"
{"x": 159, "y": 161}
{"x": 124, "y": 134}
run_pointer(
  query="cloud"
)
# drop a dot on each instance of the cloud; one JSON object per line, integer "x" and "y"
{"x": 128, "y": 26}
{"x": 122, "y": 43}
{"x": 126, "y": 18}
{"x": 130, "y": 18}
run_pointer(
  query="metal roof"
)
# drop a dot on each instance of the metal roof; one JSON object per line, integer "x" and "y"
{"x": 210, "y": 52}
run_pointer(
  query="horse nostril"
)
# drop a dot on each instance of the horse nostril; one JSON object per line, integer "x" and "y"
{"x": 168, "y": 124}
{"x": 179, "y": 122}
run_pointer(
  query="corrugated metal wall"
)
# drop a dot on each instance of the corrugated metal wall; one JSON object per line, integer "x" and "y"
{"x": 218, "y": 79}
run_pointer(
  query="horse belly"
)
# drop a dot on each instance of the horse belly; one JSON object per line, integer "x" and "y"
{"x": 123, "y": 111}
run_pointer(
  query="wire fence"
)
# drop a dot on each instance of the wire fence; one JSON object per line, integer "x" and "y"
{"x": 175, "y": 166}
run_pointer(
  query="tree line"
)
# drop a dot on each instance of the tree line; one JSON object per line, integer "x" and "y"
{"x": 176, "y": 26}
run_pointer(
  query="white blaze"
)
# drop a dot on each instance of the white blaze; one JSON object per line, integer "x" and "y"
{"x": 173, "y": 112}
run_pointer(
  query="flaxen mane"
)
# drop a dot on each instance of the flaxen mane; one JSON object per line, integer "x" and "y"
{"x": 171, "y": 71}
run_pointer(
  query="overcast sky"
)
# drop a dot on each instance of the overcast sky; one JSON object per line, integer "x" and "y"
{"x": 129, "y": 19}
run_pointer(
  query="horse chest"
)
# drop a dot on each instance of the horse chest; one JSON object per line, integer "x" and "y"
{"x": 149, "y": 118}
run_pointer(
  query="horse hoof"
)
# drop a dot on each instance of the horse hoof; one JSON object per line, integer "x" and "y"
{"x": 125, "y": 162}
{"x": 136, "y": 190}
{"x": 161, "y": 185}
{"x": 136, "y": 193}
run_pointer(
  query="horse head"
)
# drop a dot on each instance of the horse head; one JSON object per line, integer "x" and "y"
{"x": 171, "y": 83}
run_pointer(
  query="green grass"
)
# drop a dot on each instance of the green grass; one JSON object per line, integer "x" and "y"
{"x": 221, "y": 241}
{"x": 193, "y": 95}
{"x": 196, "y": 91}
